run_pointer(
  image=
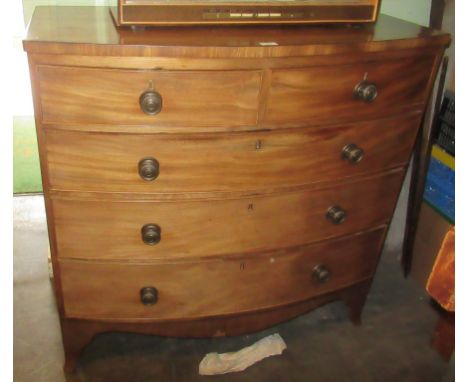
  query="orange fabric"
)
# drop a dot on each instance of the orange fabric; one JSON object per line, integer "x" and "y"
{"x": 441, "y": 282}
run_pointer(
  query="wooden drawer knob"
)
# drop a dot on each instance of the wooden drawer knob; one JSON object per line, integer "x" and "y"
{"x": 149, "y": 295}
{"x": 321, "y": 273}
{"x": 148, "y": 168}
{"x": 151, "y": 234}
{"x": 336, "y": 215}
{"x": 352, "y": 153}
{"x": 151, "y": 102}
{"x": 366, "y": 91}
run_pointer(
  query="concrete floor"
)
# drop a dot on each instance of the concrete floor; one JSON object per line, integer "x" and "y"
{"x": 393, "y": 343}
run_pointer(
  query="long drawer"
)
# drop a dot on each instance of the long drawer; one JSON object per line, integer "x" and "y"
{"x": 105, "y": 96}
{"x": 116, "y": 229}
{"x": 180, "y": 289}
{"x": 327, "y": 93}
{"x": 166, "y": 163}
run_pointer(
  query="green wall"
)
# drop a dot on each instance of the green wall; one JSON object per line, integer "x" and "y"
{"x": 29, "y": 5}
{"x": 416, "y": 11}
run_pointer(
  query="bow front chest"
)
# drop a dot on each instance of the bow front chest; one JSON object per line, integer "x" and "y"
{"x": 217, "y": 181}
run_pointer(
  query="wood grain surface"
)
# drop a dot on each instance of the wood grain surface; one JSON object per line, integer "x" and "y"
{"x": 74, "y": 30}
{"x": 81, "y": 161}
{"x": 292, "y": 97}
{"x": 112, "y": 230}
{"x": 240, "y": 63}
{"x": 326, "y": 93}
{"x": 112, "y": 290}
{"x": 81, "y": 95}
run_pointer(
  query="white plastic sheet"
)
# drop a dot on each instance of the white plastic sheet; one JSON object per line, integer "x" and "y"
{"x": 214, "y": 363}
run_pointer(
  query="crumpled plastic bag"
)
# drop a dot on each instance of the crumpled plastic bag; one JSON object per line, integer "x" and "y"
{"x": 214, "y": 363}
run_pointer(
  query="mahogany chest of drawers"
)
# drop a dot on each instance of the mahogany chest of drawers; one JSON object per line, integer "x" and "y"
{"x": 217, "y": 181}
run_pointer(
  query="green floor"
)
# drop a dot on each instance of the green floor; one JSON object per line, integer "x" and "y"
{"x": 26, "y": 170}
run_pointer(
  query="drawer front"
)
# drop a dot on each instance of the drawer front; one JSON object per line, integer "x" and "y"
{"x": 224, "y": 162}
{"x": 196, "y": 98}
{"x": 216, "y": 287}
{"x": 171, "y": 229}
{"x": 324, "y": 94}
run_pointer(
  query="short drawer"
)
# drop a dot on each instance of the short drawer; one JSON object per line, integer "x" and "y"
{"x": 168, "y": 163}
{"x": 138, "y": 229}
{"x": 72, "y": 95}
{"x": 327, "y": 93}
{"x": 187, "y": 290}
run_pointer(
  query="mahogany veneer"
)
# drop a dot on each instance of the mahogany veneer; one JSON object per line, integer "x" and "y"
{"x": 199, "y": 182}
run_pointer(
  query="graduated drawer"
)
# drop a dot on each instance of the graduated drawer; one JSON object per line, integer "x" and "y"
{"x": 189, "y": 290}
{"x": 74, "y": 95}
{"x": 327, "y": 93}
{"x": 223, "y": 162}
{"x": 116, "y": 229}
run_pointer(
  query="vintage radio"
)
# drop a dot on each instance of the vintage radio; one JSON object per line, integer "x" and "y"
{"x": 193, "y": 12}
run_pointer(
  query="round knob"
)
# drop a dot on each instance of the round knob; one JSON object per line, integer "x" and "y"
{"x": 352, "y": 153}
{"x": 149, "y": 295}
{"x": 336, "y": 215}
{"x": 151, "y": 234}
{"x": 151, "y": 102}
{"x": 366, "y": 91}
{"x": 321, "y": 273}
{"x": 148, "y": 168}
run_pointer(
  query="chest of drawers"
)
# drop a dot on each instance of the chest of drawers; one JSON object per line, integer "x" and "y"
{"x": 210, "y": 182}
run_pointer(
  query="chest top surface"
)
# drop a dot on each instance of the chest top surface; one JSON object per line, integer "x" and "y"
{"x": 91, "y": 31}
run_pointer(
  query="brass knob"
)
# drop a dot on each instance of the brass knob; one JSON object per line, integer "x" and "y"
{"x": 148, "y": 168}
{"x": 366, "y": 91}
{"x": 151, "y": 234}
{"x": 149, "y": 295}
{"x": 336, "y": 215}
{"x": 321, "y": 273}
{"x": 352, "y": 153}
{"x": 151, "y": 102}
